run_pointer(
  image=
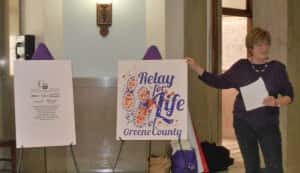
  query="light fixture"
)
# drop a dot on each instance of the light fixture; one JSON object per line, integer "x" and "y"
{"x": 104, "y": 16}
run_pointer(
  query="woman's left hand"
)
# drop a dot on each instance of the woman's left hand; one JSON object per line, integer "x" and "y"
{"x": 270, "y": 101}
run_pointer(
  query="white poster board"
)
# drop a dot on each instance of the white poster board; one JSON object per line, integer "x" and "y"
{"x": 152, "y": 100}
{"x": 44, "y": 106}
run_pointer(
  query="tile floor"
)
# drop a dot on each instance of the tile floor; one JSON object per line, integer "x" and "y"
{"x": 238, "y": 166}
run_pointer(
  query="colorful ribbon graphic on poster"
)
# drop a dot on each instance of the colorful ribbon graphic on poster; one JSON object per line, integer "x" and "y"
{"x": 152, "y": 104}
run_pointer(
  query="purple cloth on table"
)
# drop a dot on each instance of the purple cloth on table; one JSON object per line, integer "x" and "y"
{"x": 152, "y": 53}
{"x": 42, "y": 53}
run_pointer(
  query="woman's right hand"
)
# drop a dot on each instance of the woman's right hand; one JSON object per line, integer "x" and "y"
{"x": 194, "y": 66}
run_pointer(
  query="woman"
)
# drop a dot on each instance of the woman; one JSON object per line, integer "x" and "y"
{"x": 259, "y": 126}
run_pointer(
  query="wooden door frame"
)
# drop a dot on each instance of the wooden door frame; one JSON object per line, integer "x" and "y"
{"x": 216, "y": 23}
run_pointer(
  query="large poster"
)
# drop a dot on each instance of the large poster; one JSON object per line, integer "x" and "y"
{"x": 152, "y": 100}
{"x": 44, "y": 106}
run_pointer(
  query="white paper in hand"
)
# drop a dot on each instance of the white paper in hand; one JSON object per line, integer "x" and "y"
{"x": 254, "y": 94}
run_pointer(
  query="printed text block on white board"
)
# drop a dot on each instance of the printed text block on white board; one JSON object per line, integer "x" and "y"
{"x": 44, "y": 105}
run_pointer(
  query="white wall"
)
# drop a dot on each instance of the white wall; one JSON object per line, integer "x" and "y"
{"x": 32, "y": 18}
{"x": 93, "y": 55}
{"x": 2, "y": 40}
{"x": 165, "y": 26}
{"x": 174, "y": 28}
{"x": 44, "y": 19}
{"x": 156, "y": 24}
{"x": 53, "y": 27}
{"x": 69, "y": 29}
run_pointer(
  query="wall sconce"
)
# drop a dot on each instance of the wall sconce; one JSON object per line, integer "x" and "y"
{"x": 104, "y": 16}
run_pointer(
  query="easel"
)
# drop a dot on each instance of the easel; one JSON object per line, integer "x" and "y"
{"x": 118, "y": 155}
{"x": 120, "y": 151}
{"x": 42, "y": 53}
{"x": 152, "y": 53}
{"x": 148, "y": 156}
{"x": 20, "y": 159}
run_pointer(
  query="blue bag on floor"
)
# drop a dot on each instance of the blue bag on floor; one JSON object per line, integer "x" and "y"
{"x": 184, "y": 161}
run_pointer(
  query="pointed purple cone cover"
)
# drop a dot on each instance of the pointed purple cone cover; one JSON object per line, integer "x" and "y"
{"x": 42, "y": 53}
{"x": 152, "y": 53}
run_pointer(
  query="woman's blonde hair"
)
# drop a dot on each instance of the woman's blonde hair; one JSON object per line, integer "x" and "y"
{"x": 255, "y": 36}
